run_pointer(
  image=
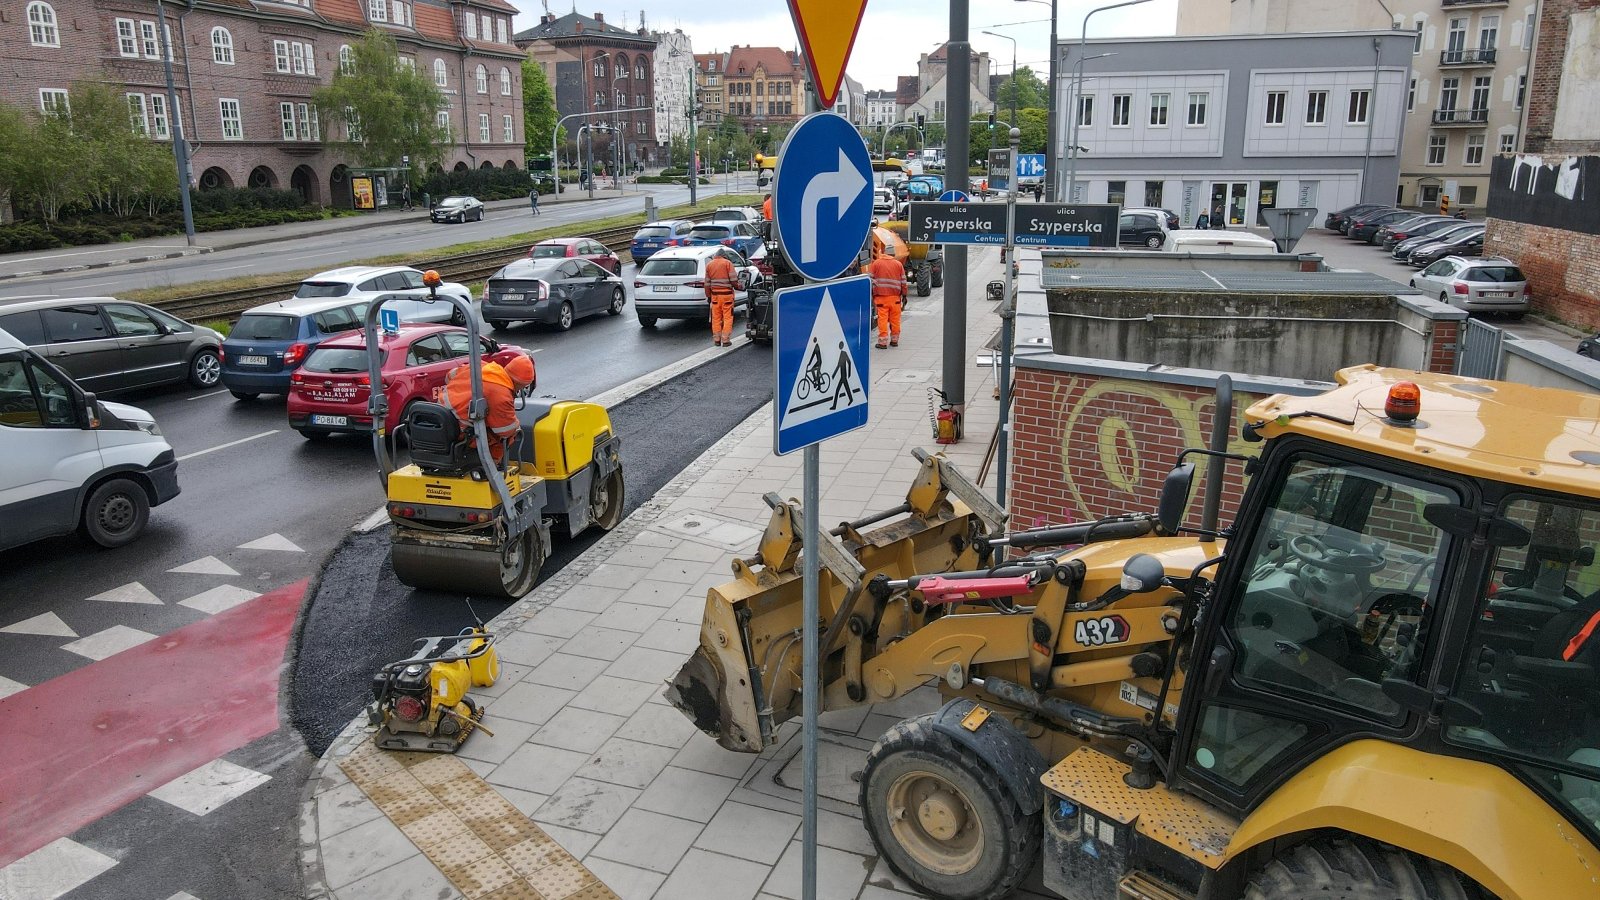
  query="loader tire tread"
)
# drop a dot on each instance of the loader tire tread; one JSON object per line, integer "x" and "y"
{"x": 1021, "y": 832}
{"x": 1354, "y": 868}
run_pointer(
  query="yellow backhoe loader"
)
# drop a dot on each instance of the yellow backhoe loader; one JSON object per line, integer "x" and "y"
{"x": 1378, "y": 682}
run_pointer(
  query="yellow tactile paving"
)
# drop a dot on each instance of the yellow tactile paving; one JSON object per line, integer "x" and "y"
{"x": 481, "y": 842}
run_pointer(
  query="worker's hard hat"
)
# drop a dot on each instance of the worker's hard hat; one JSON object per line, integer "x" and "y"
{"x": 431, "y": 278}
{"x": 520, "y": 368}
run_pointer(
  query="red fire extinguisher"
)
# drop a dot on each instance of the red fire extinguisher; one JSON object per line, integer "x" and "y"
{"x": 946, "y": 422}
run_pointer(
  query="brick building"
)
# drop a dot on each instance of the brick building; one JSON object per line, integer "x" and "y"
{"x": 711, "y": 95}
{"x": 601, "y": 74}
{"x": 1544, "y": 203}
{"x": 763, "y": 86}
{"x": 245, "y": 72}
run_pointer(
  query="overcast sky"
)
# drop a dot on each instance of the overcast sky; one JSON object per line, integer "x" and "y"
{"x": 893, "y": 33}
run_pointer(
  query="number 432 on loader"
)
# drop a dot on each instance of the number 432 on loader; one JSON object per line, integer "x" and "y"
{"x": 1378, "y": 683}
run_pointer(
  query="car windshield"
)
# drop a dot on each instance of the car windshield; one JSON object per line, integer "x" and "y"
{"x": 652, "y": 231}
{"x": 453, "y": 201}
{"x": 549, "y": 251}
{"x": 337, "y": 360}
{"x": 524, "y": 269}
{"x": 680, "y": 266}
{"x": 322, "y": 289}
{"x": 728, "y": 215}
{"x": 712, "y": 232}
{"x": 254, "y": 327}
{"x": 1495, "y": 274}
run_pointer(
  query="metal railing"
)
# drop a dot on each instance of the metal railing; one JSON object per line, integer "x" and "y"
{"x": 1460, "y": 116}
{"x": 1480, "y": 57}
{"x": 1474, "y": 2}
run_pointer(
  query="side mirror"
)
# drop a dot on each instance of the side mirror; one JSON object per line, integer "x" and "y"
{"x": 89, "y": 408}
{"x": 1174, "y": 497}
{"x": 1142, "y": 573}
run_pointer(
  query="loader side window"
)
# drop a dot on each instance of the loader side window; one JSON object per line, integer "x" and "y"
{"x": 1340, "y": 586}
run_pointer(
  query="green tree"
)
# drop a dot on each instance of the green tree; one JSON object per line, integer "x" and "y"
{"x": 16, "y": 141}
{"x": 119, "y": 165}
{"x": 1035, "y": 129}
{"x": 539, "y": 116}
{"x": 386, "y": 109}
{"x": 1028, "y": 88}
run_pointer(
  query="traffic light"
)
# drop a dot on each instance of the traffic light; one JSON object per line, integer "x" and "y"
{"x": 1444, "y": 204}
{"x": 991, "y": 121}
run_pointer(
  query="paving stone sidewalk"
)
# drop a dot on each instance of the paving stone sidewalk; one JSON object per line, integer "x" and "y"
{"x": 586, "y": 745}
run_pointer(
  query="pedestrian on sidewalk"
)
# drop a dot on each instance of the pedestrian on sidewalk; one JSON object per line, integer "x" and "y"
{"x": 721, "y": 282}
{"x": 888, "y": 294}
{"x": 405, "y": 196}
{"x": 533, "y": 199}
{"x": 1203, "y": 220}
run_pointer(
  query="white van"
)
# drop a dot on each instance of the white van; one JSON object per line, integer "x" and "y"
{"x": 1204, "y": 240}
{"x": 74, "y": 462}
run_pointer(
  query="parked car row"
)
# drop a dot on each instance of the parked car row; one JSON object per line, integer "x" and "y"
{"x": 1419, "y": 239}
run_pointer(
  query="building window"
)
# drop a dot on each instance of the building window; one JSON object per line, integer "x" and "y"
{"x": 53, "y": 100}
{"x": 641, "y": 129}
{"x": 310, "y": 129}
{"x": 297, "y": 54}
{"x": 1480, "y": 92}
{"x": 378, "y": 10}
{"x": 1437, "y": 144}
{"x": 148, "y": 40}
{"x": 409, "y": 63}
{"x": 1428, "y": 195}
{"x": 1317, "y": 108}
{"x": 480, "y": 76}
{"x": 441, "y": 73}
{"x": 1455, "y": 41}
{"x": 127, "y": 43}
{"x": 505, "y": 82}
{"x": 1474, "y": 154}
{"x": 1277, "y": 101}
{"x": 352, "y": 125}
{"x": 221, "y": 46}
{"x": 508, "y": 132}
{"x": 599, "y": 67}
{"x": 471, "y": 23}
{"x": 1449, "y": 91}
{"x": 42, "y": 30}
{"x": 1197, "y": 108}
{"x": 1121, "y": 110}
{"x": 638, "y": 70}
{"x": 347, "y": 63}
{"x": 280, "y": 55}
{"x": 500, "y": 30}
{"x": 286, "y": 114}
{"x": 1469, "y": 195}
{"x": 1411, "y": 96}
{"x": 158, "y": 117}
{"x": 1086, "y": 111}
{"x": 1522, "y": 89}
{"x": 137, "y": 116}
{"x": 1116, "y": 192}
{"x": 1488, "y": 32}
{"x": 1158, "y": 110}
{"x": 1357, "y": 113}
{"x": 1416, "y": 46}
{"x": 232, "y": 124}
{"x": 442, "y": 119}
{"x": 483, "y": 128}
{"x": 398, "y": 10}
{"x": 488, "y": 28}
{"x": 1508, "y": 142}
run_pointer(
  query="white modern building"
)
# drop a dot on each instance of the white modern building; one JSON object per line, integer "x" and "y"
{"x": 1237, "y": 123}
{"x": 674, "y": 70}
{"x": 880, "y": 108}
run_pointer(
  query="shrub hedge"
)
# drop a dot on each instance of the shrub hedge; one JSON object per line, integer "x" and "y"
{"x": 485, "y": 184}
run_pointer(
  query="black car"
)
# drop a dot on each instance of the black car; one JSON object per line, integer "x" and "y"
{"x": 1395, "y": 234}
{"x": 458, "y": 209}
{"x": 1467, "y": 244}
{"x": 1140, "y": 229}
{"x": 1402, "y": 250}
{"x": 1590, "y": 347}
{"x": 552, "y": 292}
{"x": 1336, "y": 221}
{"x": 1364, "y": 227}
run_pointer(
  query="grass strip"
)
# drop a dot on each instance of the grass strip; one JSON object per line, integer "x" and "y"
{"x": 507, "y": 242}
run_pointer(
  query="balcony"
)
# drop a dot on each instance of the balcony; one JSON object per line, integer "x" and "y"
{"x": 1462, "y": 58}
{"x": 1461, "y": 117}
{"x": 1459, "y": 3}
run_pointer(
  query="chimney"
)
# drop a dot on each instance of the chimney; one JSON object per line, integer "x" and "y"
{"x": 600, "y": 17}
{"x": 577, "y": 27}
{"x": 547, "y": 18}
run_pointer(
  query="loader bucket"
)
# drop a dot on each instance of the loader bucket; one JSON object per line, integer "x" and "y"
{"x": 743, "y": 679}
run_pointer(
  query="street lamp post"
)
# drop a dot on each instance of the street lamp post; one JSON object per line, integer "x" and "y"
{"x": 1076, "y": 122}
{"x": 1077, "y": 87}
{"x": 557, "y": 130}
{"x": 1013, "y": 71}
{"x": 1051, "y": 173}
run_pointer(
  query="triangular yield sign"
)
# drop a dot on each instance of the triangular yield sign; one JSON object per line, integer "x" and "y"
{"x": 827, "y": 30}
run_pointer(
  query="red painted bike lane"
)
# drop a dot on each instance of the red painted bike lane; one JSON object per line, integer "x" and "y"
{"x": 83, "y": 745}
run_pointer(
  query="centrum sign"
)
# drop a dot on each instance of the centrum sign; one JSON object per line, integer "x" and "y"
{"x": 1067, "y": 225}
{"x": 957, "y": 223}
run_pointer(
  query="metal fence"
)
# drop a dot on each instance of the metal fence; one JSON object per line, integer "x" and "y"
{"x": 1479, "y": 354}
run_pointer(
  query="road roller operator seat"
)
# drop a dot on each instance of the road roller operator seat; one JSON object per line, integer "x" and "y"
{"x": 439, "y": 445}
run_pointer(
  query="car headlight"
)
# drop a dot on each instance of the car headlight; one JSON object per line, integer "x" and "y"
{"x": 149, "y": 427}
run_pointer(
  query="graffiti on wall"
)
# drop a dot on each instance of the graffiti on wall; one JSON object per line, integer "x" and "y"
{"x": 1552, "y": 192}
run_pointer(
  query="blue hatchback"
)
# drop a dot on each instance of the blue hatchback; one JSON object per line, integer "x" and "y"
{"x": 658, "y": 236}
{"x": 741, "y": 236}
{"x": 269, "y": 342}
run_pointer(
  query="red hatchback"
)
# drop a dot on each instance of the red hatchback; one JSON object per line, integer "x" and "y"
{"x": 328, "y": 394}
{"x": 577, "y": 248}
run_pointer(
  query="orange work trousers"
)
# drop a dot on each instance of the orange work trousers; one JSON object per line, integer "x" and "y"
{"x": 888, "y": 307}
{"x": 721, "y": 313}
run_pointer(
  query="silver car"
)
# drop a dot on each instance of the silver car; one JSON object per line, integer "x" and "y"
{"x": 1491, "y": 284}
{"x": 109, "y": 345}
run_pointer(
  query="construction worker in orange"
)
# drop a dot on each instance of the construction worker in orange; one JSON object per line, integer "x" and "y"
{"x": 888, "y": 293}
{"x": 721, "y": 282}
{"x": 766, "y": 208}
{"x": 501, "y": 384}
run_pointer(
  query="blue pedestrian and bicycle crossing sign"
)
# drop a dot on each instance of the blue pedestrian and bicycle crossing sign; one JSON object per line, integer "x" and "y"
{"x": 821, "y": 339}
{"x": 821, "y": 196}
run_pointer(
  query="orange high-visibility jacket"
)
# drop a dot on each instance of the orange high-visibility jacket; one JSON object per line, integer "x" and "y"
{"x": 720, "y": 277}
{"x": 888, "y": 277}
{"x": 501, "y": 419}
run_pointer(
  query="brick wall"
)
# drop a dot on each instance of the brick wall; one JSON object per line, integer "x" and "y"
{"x": 1086, "y": 446}
{"x": 1545, "y": 85}
{"x": 1563, "y": 267}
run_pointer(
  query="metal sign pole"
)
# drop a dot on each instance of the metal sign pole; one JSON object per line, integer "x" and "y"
{"x": 809, "y": 675}
{"x": 1008, "y": 321}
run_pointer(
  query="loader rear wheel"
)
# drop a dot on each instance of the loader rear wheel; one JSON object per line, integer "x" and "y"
{"x": 942, "y": 817}
{"x": 1356, "y": 869}
{"x": 605, "y": 501}
{"x": 924, "y": 281}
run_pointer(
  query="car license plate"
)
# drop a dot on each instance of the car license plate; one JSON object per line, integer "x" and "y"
{"x": 330, "y": 420}
{"x": 252, "y": 360}
{"x": 664, "y": 288}
{"x": 1496, "y": 293}
{"x": 511, "y": 298}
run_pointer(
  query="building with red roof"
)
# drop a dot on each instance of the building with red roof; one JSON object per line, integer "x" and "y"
{"x": 602, "y": 75}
